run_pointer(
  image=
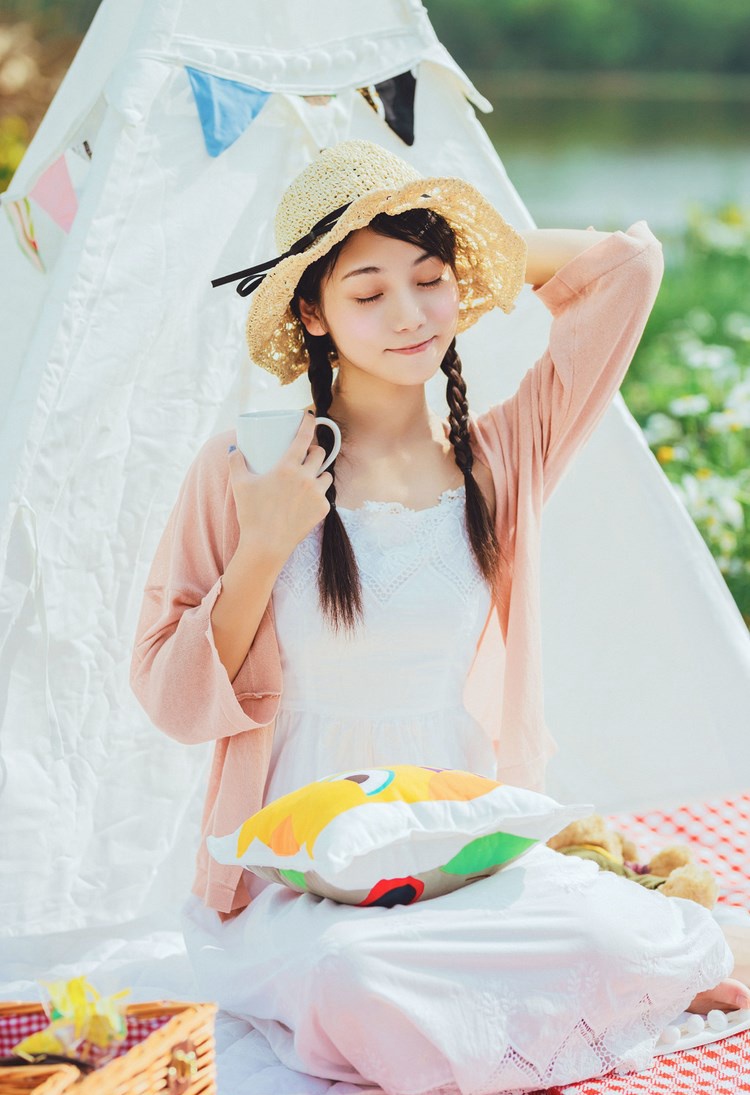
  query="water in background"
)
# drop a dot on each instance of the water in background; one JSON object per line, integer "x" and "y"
{"x": 577, "y": 161}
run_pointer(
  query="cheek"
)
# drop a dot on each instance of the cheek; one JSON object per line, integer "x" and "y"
{"x": 445, "y": 305}
{"x": 357, "y": 324}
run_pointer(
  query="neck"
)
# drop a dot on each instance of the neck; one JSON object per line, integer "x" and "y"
{"x": 381, "y": 416}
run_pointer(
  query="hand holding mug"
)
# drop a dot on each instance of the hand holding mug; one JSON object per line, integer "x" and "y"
{"x": 279, "y": 479}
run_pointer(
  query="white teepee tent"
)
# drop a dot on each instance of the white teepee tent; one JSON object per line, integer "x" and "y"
{"x": 158, "y": 167}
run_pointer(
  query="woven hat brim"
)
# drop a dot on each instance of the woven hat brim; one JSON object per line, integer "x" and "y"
{"x": 490, "y": 266}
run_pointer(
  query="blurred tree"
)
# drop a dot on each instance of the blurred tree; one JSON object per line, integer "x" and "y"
{"x": 637, "y": 35}
{"x": 51, "y": 17}
{"x": 669, "y": 35}
{"x": 39, "y": 38}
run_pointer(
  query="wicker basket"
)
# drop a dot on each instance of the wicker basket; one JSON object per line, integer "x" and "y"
{"x": 38, "y": 1079}
{"x": 169, "y": 1050}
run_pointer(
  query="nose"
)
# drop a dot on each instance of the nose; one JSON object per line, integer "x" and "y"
{"x": 408, "y": 312}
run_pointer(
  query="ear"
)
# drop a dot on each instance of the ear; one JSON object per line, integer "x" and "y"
{"x": 311, "y": 318}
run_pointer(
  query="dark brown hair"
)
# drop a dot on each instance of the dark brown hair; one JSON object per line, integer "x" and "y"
{"x": 338, "y": 574}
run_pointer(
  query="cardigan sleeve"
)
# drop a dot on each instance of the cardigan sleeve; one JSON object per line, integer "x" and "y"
{"x": 176, "y": 672}
{"x": 600, "y": 302}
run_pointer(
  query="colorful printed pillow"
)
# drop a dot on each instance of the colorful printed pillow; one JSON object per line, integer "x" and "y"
{"x": 392, "y": 836}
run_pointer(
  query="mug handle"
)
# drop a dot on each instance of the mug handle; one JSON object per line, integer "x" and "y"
{"x": 336, "y": 442}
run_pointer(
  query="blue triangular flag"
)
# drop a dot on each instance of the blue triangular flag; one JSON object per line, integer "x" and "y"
{"x": 225, "y": 108}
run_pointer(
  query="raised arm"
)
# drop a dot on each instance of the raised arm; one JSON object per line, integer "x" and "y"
{"x": 600, "y": 301}
{"x": 548, "y": 249}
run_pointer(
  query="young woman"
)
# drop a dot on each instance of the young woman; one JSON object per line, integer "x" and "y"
{"x": 310, "y": 623}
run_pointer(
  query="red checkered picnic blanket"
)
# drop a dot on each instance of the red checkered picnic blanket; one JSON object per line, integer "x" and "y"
{"x": 719, "y": 835}
{"x": 15, "y": 1027}
{"x": 720, "y": 1068}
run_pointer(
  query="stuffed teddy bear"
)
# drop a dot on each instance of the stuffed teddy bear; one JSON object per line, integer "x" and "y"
{"x": 672, "y": 870}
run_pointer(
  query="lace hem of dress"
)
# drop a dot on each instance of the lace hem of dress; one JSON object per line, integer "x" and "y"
{"x": 585, "y": 1055}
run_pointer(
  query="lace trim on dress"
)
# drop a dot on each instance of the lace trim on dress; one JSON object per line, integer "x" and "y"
{"x": 390, "y": 552}
{"x": 627, "y": 1049}
{"x": 398, "y": 507}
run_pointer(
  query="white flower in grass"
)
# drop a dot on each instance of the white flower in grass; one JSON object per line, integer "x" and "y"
{"x": 730, "y": 510}
{"x": 729, "y": 238}
{"x": 712, "y": 356}
{"x": 737, "y": 325}
{"x": 659, "y": 428}
{"x": 721, "y": 360}
{"x": 687, "y": 344}
{"x": 712, "y": 500}
{"x": 739, "y": 396}
{"x": 737, "y": 406}
{"x": 689, "y": 404}
{"x": 725, "y": 421}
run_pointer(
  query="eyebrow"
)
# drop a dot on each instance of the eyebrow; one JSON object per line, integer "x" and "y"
{"x": 378, "y": 269}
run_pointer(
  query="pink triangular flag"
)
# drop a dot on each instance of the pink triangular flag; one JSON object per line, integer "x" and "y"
{"x": 55, "y": 194}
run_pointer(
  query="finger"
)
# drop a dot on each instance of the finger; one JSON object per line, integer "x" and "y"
{"x": 237, "y": 464}
{"x": 301, "y": 443}
{"x": 315, "y": 457}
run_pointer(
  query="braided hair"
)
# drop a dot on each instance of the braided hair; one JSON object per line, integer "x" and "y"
{"x": 338, "y": 574}
{"x": 479, "y": 523}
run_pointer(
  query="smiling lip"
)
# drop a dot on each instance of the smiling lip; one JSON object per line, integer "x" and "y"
{"x": 414, "y": 349}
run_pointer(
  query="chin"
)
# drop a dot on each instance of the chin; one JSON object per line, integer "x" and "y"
{"x": 399, "y": 374}
{"x": 418, "y": 374}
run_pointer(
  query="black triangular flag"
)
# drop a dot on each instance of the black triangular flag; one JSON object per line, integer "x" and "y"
{"x": 397, "y": 97}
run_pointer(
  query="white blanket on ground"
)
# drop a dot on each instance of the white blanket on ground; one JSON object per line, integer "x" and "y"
{"x": 148, "y": 956}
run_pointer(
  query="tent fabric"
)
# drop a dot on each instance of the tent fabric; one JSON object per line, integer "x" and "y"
{"x": 120, "y": 361}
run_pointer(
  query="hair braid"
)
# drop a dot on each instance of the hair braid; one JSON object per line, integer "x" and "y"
{"x": 338, "y": 574}
{"x": 479, "y": 523}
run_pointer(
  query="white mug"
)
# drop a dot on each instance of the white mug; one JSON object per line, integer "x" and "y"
{"x": 264, "y": 436}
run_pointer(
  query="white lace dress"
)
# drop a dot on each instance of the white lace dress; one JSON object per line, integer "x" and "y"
{"x": 545, "y": 973}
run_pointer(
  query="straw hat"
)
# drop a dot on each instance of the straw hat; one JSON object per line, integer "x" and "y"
{"x": 342, "y": 190}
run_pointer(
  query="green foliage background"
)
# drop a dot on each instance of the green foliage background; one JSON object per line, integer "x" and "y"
{"x": 576, "y": 35}
{"x": 696, "y": 346}
{"x": 676, "y": 35}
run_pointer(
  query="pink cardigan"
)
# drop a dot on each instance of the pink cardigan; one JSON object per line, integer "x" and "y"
{"x": 600, "y": 302}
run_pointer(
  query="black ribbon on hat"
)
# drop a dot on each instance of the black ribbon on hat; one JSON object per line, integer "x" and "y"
{"x": 253, "y": 276}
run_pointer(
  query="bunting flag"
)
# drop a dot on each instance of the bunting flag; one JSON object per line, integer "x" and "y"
{"x": 225, "y": 108}
{"x": 55, "y": 194}
{"x": 19, "y": 215}
{"x": 396, "y": 99}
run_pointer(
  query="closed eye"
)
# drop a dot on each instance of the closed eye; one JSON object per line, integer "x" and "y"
{"x": 424, "y": 284}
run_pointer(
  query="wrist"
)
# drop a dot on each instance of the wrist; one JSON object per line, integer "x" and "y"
{"x": 259, "y": 551}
